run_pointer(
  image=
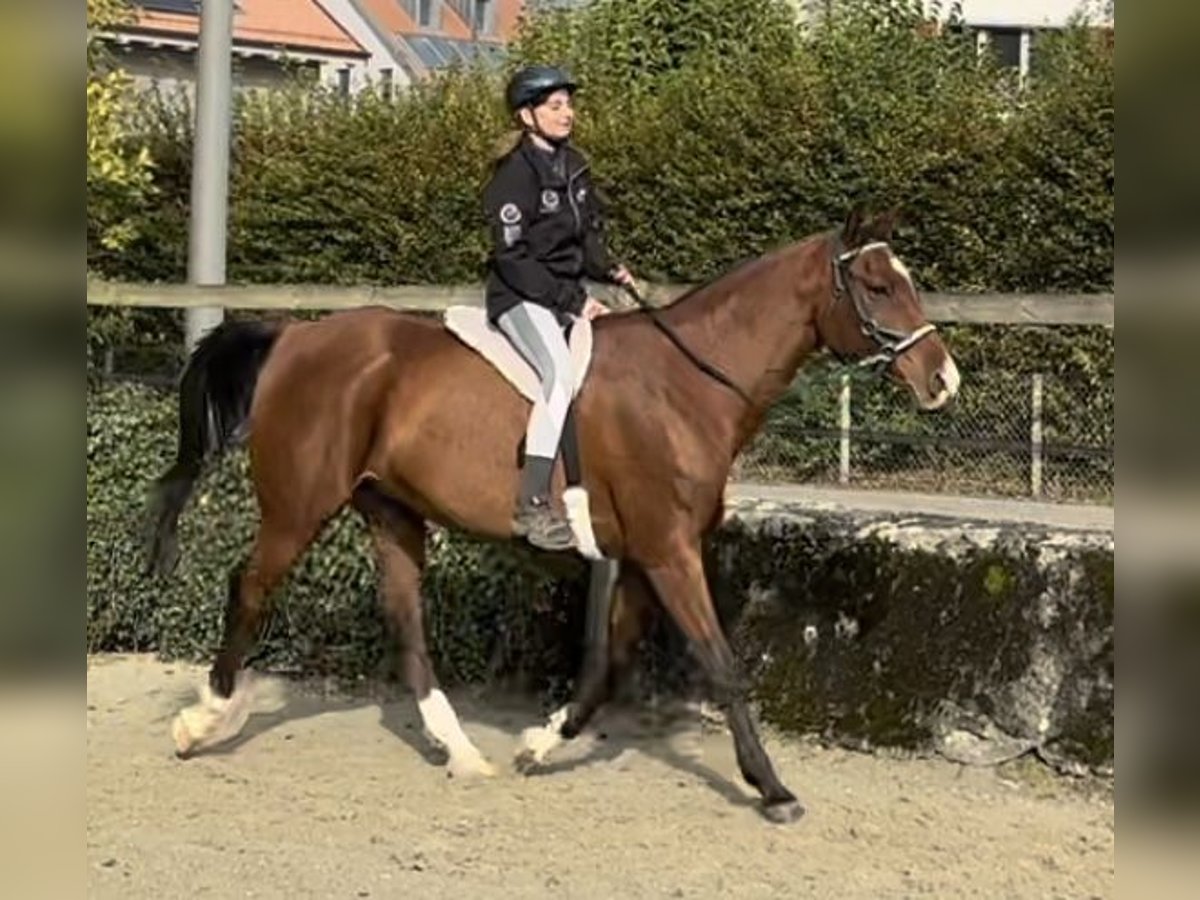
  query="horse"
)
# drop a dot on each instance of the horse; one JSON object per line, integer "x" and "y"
{"x": 390, "y": 413}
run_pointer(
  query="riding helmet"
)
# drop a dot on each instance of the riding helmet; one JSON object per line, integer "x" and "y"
{"x": 530, "y": 84}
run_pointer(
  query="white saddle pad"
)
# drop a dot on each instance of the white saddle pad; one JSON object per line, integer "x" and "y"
{"x": 471, "y": 326}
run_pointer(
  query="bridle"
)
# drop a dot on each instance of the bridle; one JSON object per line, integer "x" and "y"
{"x": 891, "y": 342}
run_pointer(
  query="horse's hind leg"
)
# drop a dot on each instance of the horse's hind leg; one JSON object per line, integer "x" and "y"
{"x": 225, "y": 702}
{"x": 399, "y": 538}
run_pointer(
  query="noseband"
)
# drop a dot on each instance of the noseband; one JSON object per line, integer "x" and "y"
{"x": 891, "y": 343}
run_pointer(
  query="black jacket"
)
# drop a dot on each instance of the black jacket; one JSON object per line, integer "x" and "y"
{"x": 547, "y": 231}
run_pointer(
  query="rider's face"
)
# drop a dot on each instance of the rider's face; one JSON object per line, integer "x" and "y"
{"x": 554, "y": 116}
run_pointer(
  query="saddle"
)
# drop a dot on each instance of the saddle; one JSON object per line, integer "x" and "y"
{"x": 471, "y": 326}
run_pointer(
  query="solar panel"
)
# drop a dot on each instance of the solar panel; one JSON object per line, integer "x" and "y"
{"x": 185, "y": 7}
{"x": 439, "y": 52}
{"x": 427, "y": 52}
{"x": 493, "y": 52}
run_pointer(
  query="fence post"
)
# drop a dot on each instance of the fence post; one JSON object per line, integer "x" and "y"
{"x": 1035, "y": 437}
{"x": 844, "y": 425}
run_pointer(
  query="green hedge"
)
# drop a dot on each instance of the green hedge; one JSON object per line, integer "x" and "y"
{"x": 717, "y": 129}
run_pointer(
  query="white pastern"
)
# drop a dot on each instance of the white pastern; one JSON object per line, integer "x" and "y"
{"x": 539, "y": 743}
{"x": 443, "y": 726}
{"x": 214, "y": 719}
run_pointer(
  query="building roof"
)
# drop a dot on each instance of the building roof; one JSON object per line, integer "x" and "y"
{"x": 292, "y": 24}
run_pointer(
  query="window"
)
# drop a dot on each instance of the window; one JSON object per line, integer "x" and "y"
{"x": 1005, "y": 45}
{"x": 484, "y": 21}
{"x": 1012, "y": 48}
{"x": 343, "y": 82}
{"x": 385, "y": 83}
{"x": 478, "y": 15}
{"x": 424, "y": 12}
{"x": 183, "y": 7}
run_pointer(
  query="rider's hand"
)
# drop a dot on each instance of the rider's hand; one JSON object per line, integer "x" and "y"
{"x": 593, "y": 307}
{"x": 621, "y": 275}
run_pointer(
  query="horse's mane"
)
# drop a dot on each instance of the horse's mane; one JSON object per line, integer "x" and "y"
{"x": 737, "y": 268}
{"x": 741, "y": 268}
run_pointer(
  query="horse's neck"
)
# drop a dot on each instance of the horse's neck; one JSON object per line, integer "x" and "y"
{"x": 757, "y": 326}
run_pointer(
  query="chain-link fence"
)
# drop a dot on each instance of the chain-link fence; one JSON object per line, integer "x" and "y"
{"x": 1006, "y": 434}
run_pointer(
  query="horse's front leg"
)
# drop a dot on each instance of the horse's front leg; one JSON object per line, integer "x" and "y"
{"x": 618, "y": 604}
{"x": 683, "y": 591}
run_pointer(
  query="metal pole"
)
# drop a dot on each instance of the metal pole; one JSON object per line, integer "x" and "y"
{"x": 1035, "y": 438}
{"x": 210, "y": 161}
{"x": 844, "y": 424}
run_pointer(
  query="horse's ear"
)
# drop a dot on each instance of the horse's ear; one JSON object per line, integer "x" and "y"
{"x": 882, "y": 226}
{"x": 852, "y": 229}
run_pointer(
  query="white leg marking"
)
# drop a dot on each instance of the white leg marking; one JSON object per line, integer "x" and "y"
{"x": 443, "y": 726}
{"x": 575, "y": 500}
{"x": 538, "y": 743}
{"x": 214, "y": 719}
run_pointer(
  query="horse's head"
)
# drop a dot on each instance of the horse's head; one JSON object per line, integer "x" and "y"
{"x": 875, "y": 315}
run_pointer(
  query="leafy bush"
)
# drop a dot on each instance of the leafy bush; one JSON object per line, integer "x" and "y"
{"x": 118, "y": 168}
{"x": 717, "y": 129}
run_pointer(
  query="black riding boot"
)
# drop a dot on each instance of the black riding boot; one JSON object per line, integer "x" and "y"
{"x": 536, "y": 520}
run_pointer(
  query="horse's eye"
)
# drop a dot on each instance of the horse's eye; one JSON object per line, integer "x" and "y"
{"x": 877, "y": 291}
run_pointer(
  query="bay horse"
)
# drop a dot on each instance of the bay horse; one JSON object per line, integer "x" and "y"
{"x": 390, "y": 413}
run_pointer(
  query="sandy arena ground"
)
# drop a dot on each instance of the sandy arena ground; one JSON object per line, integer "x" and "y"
{"x": 335, "y": 795}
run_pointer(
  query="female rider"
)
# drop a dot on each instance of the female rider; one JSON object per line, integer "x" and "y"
{"x": 547, "y": 235}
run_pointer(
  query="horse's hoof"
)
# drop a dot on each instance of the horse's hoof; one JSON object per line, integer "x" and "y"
{"x": 476, "y": 767}
{"x": 783, "y": 812}
{"x": 527, "y": 762}
{"x": 182, "y": 738}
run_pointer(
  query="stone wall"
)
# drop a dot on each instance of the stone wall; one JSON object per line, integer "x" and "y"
{"x": 973, "y": 639}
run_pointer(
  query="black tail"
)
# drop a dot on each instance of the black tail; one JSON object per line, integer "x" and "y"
{"x": 214, "y": 404}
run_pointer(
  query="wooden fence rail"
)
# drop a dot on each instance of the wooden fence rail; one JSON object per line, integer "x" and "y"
{"x": 995, "y": 309}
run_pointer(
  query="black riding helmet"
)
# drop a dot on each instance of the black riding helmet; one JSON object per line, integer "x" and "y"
{"x": 531, "y": 84}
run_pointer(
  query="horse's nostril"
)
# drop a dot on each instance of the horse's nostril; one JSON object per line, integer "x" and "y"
{"x": 937, "y": 383}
